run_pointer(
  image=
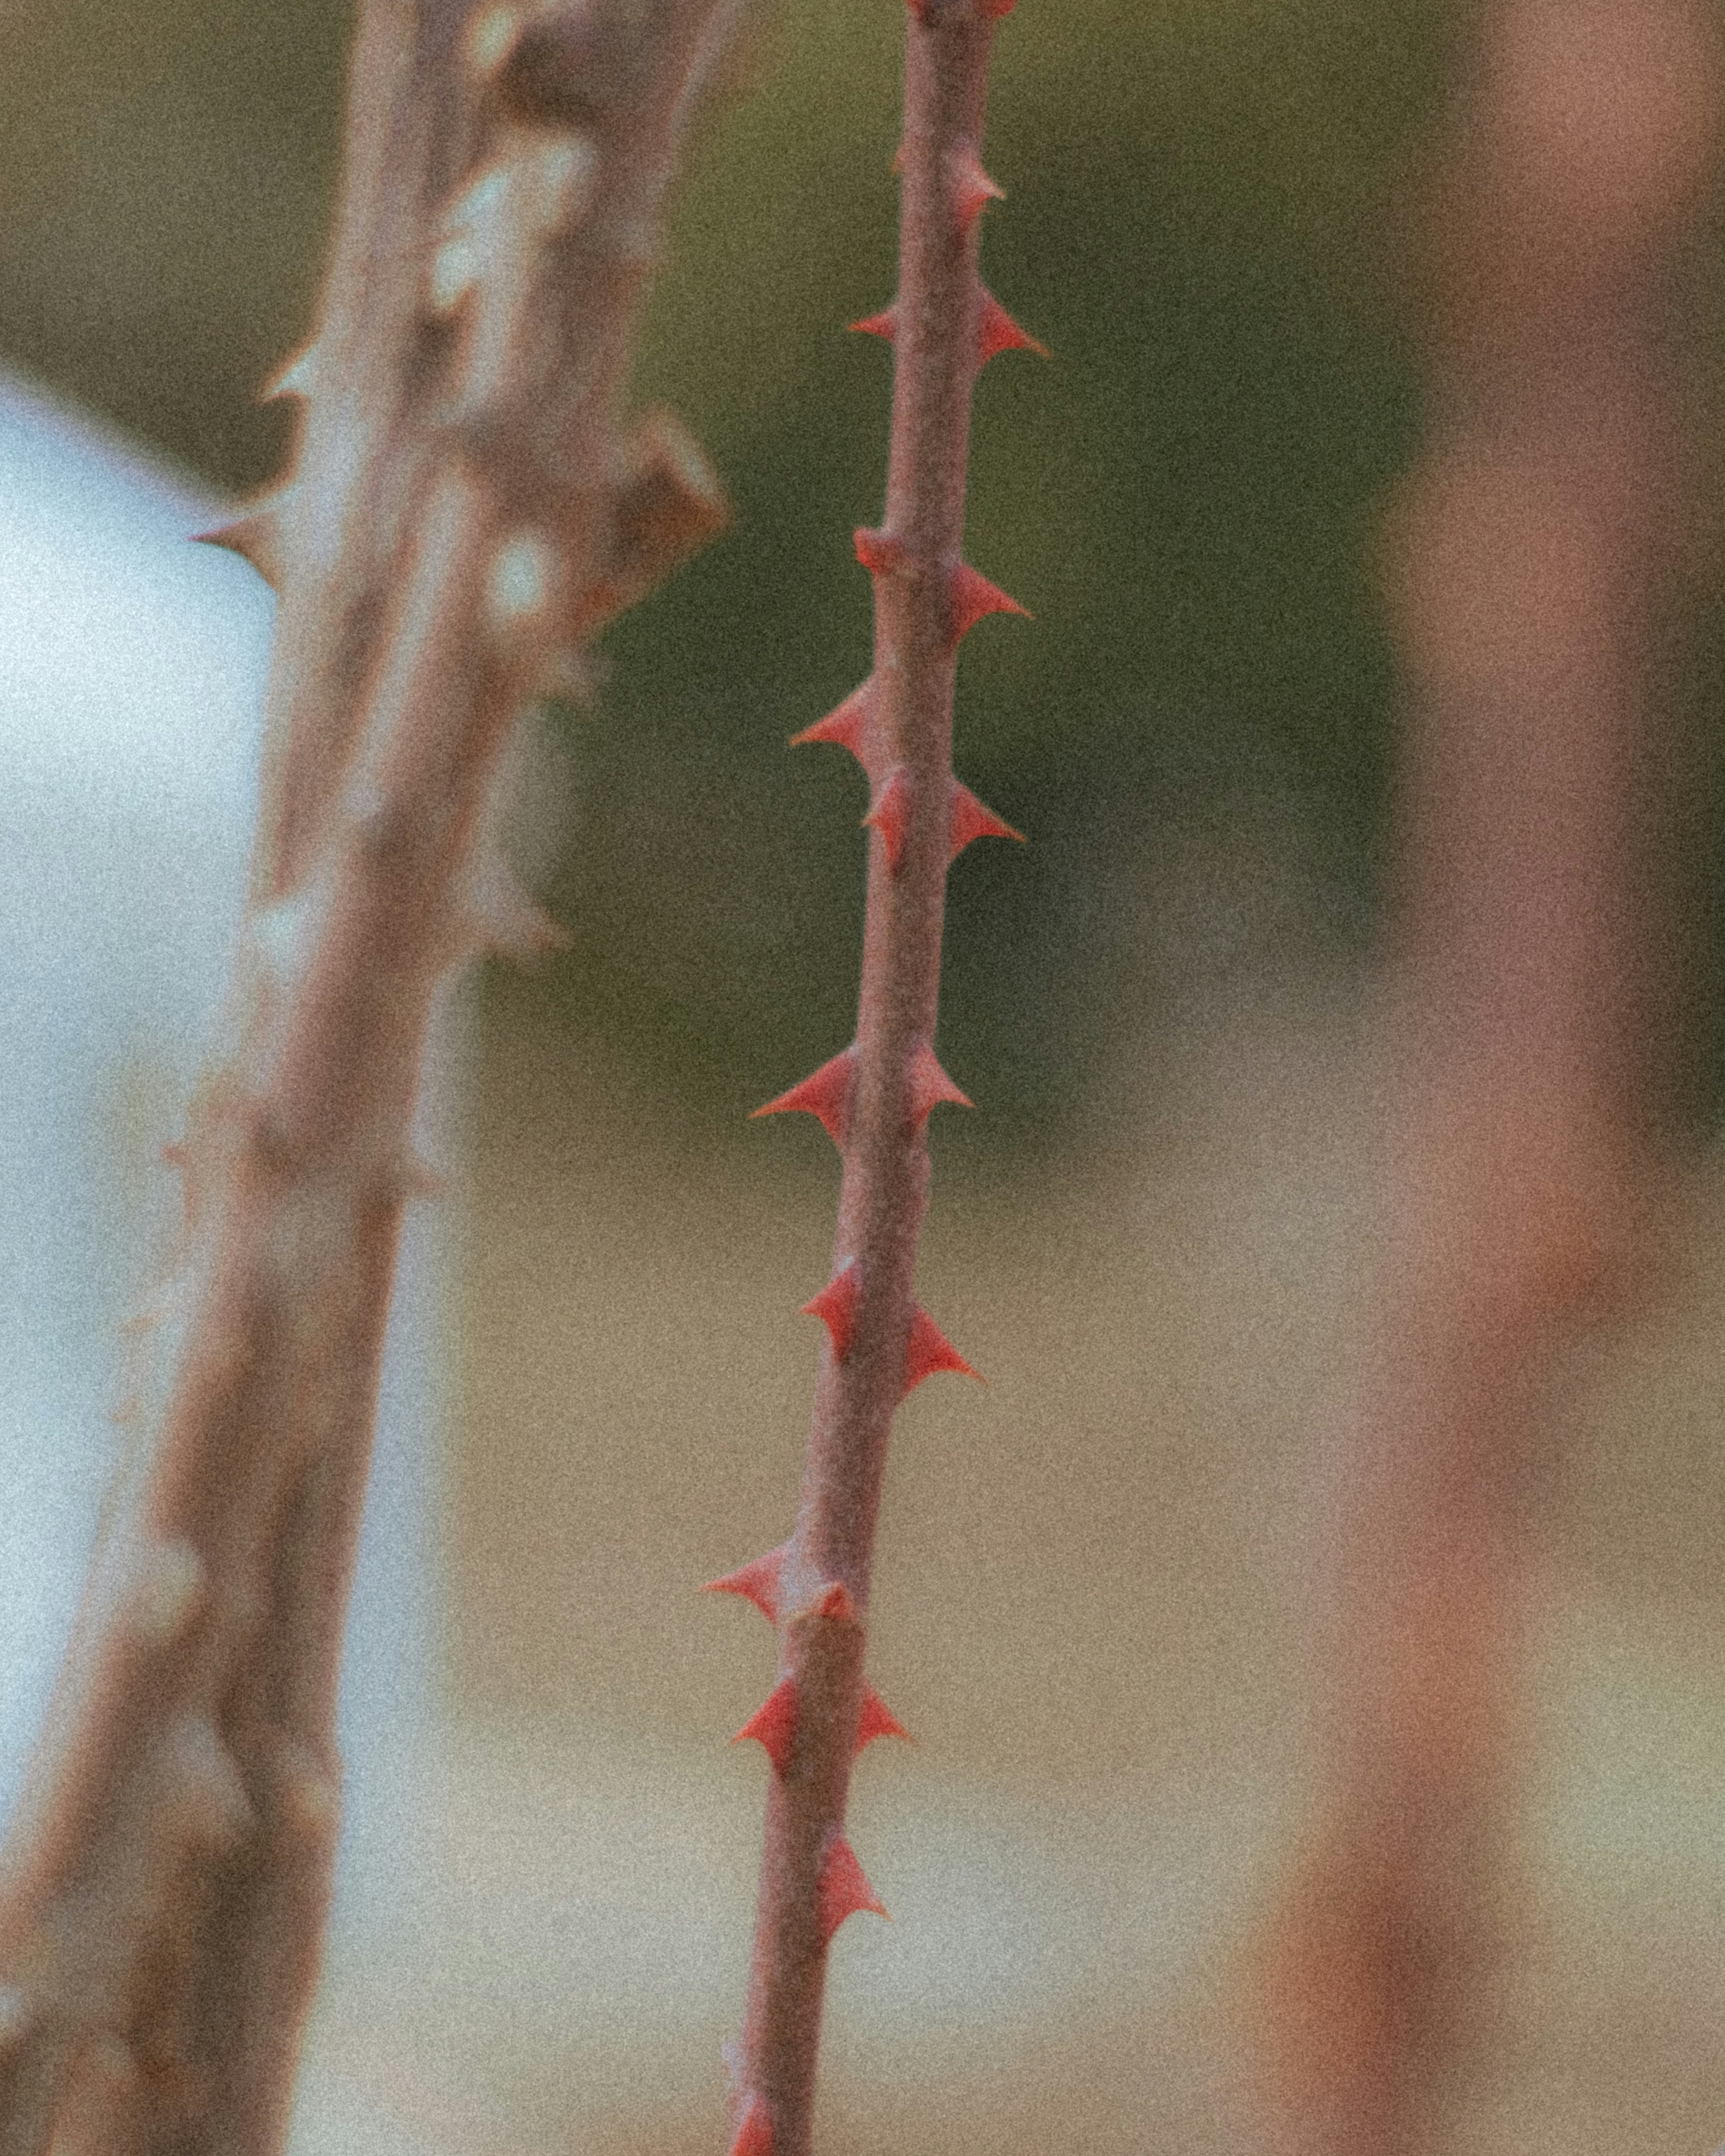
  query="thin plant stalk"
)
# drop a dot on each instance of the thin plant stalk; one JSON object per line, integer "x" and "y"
{"x": 1529, "y": 563}
{"x": 464, "y": 508}
{"x": 876, "y": 1096}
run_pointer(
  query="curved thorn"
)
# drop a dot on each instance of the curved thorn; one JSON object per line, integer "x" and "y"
{"x": 846, "y": 727}
{"x": 296, "y": 376}
{"x": 929, "y": 1352}
{"x": 996, "y": 332}
{"x": 883, "y": 324}
{"x": 843, "y": 1889}
{"x": 837, "y": 1305}
{"x": 774, "y": 1726}
{"x": 756, "y": 1582}
{"x": 972, "y": 190}
{"x": 970, "y": 595}
{"x": 255, "y": 535}
{"x": 889, "y": 815}
{"x": 930, "y": 1085}
{"x": 824, "y": 1094}
{"x": 877, "y": 1719}
{"x": 507, "y": 920}
{"x": 972, "y": 820}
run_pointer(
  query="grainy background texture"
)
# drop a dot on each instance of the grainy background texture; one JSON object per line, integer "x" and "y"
{"x": 1156, "y": 1237}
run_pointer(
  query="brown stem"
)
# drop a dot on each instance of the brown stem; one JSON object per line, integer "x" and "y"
{"x": 464, "y": 506}
{"x": 1528, "y": 560}
{"x": 876, "y": 1097}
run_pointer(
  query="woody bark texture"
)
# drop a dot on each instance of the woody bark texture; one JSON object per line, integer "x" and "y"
{"x": 465, "y": 508}
{"x": 874, "y": 1097}
{"x": 1530, "y": 561}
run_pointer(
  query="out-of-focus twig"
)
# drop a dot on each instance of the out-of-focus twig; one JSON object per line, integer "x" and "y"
{"x": 1528, "y": 563}
{"x": 465, "y": 508}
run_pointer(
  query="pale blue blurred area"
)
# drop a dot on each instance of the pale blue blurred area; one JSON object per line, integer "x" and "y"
{"x": 132, "y": 669}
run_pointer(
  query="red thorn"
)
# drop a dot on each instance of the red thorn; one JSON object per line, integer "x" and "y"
{"x": 847, "y": 727}
{"x": 774, "y": 1725}
{"x": 973, "y": 190}
{"x": 883, "y": 324}
{"x": 756, "y": 1582}
{"x": 879, "y": 552}
{"x": 754, "y": 2135}
{"x": 837, "y": 1603}
{"x": 889, "y": 815}
{"x": 993, "y": 11}
{"x": 877, "y": 1719}
{"x": 970, "y": 596}
{"x": 836, "y": 1307}
{"x": 972, "y": 820}
{"x": 843, "y": 1889}
{"x": 930, "y": 1351}
{"x": 824, "y": 1094}
{"x": 930, "y": 1085}
{"x": 996, "y": 332}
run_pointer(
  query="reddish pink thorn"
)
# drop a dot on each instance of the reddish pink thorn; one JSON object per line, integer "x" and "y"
{"x": 889, "y": 815}
{"x": 970, "y": 596}
{"x": 756, "y": 1582}
{"x": 930, "y": 1085}
{"x": 996, "y": 332}
{"x": 877, "y": 1719}
{"x": 837, "y": 1603}
{"x": 883, "y": 324}
{"x": 847, "y": 727}
{"x": 754, "y": 2136}
{"x": 879, "y": 552}
{"x": 774, "y": 1725}
{"x": 971, "y": 820}
{"x": 824, "y": 1094}
{"x": 974, "y": 189}
{"x": 843, "y": 1889}
{"x": 992, "y": 11}
{"x": 930, "y": 1351}
{"x": 836, "y": 1307}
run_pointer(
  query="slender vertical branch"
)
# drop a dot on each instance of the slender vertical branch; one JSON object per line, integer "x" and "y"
{"x": 465, "y": 510}
{"x": 875, "y": 1098}
{"x": 1528, "y": 557}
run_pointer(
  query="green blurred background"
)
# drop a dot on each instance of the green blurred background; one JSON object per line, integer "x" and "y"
{"x": 1196, "y": 731}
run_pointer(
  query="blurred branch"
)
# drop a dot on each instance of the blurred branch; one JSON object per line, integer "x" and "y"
{"x": 1528, "y": 562}
{"x": 465, "y": 510}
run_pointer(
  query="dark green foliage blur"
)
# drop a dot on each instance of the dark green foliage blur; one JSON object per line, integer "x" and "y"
{"x": 1202, "y": 222}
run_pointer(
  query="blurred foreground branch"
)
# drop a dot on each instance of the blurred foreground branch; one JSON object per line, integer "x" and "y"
{"x": 465, "y": 510}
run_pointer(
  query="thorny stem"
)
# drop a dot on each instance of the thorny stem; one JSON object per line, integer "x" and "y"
{"x": 1529, "y": 559}
{"x": 875, "y": 1098}
{"x": 465, "y": 508}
